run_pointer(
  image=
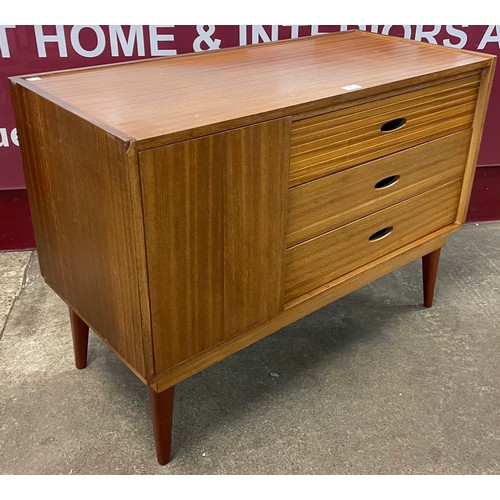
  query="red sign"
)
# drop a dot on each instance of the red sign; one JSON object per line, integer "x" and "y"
{"x": 36, "y": 49}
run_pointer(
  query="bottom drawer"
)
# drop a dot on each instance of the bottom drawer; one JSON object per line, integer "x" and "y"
{"x": 315, "y": 262}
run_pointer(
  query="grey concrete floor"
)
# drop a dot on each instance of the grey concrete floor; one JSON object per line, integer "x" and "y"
{"x": 371, "y": 384}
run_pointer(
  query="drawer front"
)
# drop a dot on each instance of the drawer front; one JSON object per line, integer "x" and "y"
{"x": 335, "y": 141}
{"x": 337, "y": 199}
{"x": 318, "y": 261}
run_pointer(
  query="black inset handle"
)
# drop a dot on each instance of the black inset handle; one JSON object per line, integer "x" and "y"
{"x": 393, "y": 125}
{"x": 382, "y": 233}
{"x": 387, "y": 182}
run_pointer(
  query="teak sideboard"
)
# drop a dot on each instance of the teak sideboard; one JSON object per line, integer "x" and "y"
{"x": 186, "y": 207}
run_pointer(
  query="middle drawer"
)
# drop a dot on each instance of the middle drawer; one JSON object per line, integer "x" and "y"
{"x": 326, "y": 257}
{"x": 324, "y": 204}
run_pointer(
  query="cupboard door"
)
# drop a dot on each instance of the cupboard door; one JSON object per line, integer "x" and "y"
{"x": 215, "y": 216}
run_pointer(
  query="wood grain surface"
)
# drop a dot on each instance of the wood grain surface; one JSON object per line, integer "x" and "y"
{"x": 291, "y": 76}
{"x": 159, "y": 188}
{"x": 326, "y": 257}
{"x": 324, "y": 204}
{"x": 80, "y": 195}
{"x": 304, "y": 305}
{"x": 487, "y": 76}
{"x": 215, "y": 214}
{"x": 335, "y": 141}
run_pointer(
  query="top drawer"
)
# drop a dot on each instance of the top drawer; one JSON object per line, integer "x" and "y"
{"x": 334, "y": 141}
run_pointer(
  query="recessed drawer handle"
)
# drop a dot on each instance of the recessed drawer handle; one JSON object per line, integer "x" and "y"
{"x": 381, "y": 233}
{"x": 392, "y": 125}
{"x": 387, "y": 182}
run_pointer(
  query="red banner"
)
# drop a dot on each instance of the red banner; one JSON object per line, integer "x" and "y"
{"x": 35, "y": 49}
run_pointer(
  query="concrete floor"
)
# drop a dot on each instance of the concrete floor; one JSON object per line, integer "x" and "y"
{"x": 371, "y": 384}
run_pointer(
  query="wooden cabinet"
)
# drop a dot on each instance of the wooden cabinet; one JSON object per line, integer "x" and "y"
{"x": 186, "y": 207}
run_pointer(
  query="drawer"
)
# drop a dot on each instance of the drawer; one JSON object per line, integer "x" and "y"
{"x": 334, "y": 141}
{"x": 326, "y": 257}
{"x": 332, "y": 201}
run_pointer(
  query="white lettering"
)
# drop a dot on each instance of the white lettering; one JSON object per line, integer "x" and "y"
{"x": 489, "y": 37}
{"x": 345, "y": 27}
{"x": 407, "y": 29}
{"x": 460, "y": 34}
{"x": 420, "y": 34}
{"x": 243, "y": 34}
{"x": 4, "y": 137}
{"x": 205, "y": 38}
{"x": 42, "y": 39}
{"x": 118, "y": 38}
{"x": 315, "y": 30}
{"x": 13, "y": 137}
{"x": 4, "y": 43}
{"x": 101, "y": 41}
{"x": 258, "y": 32}
{"x": 294, "y": 29}
{"x": 155, "y": 37}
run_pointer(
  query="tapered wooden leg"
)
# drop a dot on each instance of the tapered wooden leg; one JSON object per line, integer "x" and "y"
{"x": 430, "y": 264}
{"x": 80, "y": 332}
{"x": 162, "y": 409}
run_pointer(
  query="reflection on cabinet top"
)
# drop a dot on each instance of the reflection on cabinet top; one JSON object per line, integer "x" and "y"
{"x": 228, "y": 88}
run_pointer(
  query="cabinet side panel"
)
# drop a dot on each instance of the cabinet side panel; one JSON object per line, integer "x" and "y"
{"x": 80, "y": 200}
{"x": 214, "y": 211}
{"x": 477, "y": 132}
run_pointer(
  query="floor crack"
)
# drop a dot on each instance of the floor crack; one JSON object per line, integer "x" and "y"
{"x": 21, "y": 288}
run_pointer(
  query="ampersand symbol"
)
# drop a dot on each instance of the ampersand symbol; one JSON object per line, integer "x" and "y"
{"x": 205, "y": 37}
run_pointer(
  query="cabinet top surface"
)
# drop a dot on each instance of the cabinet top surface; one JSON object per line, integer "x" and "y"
{"x": 156, "y": 97}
